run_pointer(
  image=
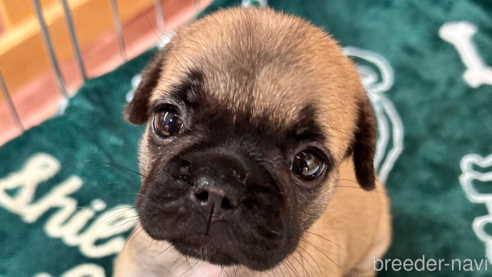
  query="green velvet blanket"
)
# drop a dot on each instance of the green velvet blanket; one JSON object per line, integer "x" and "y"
{"x": 67, "y": 186}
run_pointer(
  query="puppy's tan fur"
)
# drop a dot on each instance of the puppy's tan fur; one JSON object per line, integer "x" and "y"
{"x": 277, "y": 64}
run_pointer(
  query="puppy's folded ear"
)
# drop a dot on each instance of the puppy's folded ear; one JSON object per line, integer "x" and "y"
{"x": 136, "y": 112}
{"x": 364, "y": 147}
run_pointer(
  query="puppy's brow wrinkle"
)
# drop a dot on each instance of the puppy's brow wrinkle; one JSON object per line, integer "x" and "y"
{"x": 307, "y": 127}
{"x": 185, "y": 91}
{"x": 190, "y": 88}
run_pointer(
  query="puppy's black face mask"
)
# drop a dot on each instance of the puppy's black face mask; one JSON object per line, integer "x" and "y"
{"x": 224, "y": 187}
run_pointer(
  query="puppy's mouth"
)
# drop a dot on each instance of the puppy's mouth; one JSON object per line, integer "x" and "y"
{"x": 210, "y": 247}
{"x": 214, "y": 213}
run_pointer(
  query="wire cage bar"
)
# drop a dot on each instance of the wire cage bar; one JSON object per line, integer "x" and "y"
{"x": 159, "y": 17}
{"x": 74, "y": 40}
{"x": 10, "y": 103}
{"x": 119, "y": 30}
{"x": 50, "y": 49}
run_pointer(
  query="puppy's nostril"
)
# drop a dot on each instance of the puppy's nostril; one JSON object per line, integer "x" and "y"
{"x": 185, "y": 166}
{"x": 185, "y": 163}
{"x": 226, "y": 204}
{"x": 202, "y": 196}
{"x": 263, "y": 190}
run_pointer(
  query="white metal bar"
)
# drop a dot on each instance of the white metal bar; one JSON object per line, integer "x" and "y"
{"x": 119, "y": 30}
{"x": 49, "y": 47}
{"x": 13, "y": 111}
{"x": 197, "y": 6}
{"x": 159, "y": 17}
{"x": 73, "y": 37}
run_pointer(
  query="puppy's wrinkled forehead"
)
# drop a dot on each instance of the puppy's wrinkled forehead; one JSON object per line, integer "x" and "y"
{"x": 264, "y": 64}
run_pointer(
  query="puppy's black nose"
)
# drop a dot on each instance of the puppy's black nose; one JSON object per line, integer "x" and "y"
{"x": 220, "y": 181}
{"x": 208, "y": 196}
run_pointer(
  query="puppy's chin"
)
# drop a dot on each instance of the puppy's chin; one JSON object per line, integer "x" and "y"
{"x": 202, "y": 247}
{"x": 207, "y": 210}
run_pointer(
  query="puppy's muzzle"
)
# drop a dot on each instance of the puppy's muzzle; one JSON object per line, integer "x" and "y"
{"x": 218, "y": 205}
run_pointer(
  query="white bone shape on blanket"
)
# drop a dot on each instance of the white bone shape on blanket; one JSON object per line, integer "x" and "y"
{"x": 460, "y": 35}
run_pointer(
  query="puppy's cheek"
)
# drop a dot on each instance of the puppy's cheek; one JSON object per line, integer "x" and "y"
{"x": 144, "y": 155}
{"x": 160, "y": 201}
{"x": 315, "y": 207}
{"x": 163, "y": 201}
{"x": 266, "y": 225}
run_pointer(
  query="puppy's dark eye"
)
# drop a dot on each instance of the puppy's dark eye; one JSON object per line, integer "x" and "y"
{"x": 308, "y": 165}
{"x": 167, "y": 122}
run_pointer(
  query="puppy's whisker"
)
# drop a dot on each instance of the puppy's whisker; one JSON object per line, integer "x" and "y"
{"x": 166, "y": 49}
{"x": 373, "y": 191}
{"x": 280, "y": 268}
{"x": 226, "y": 271}
{"x": 113, "y": 164}
{"x": 230, "y": 271}
{"x": 311, "y": 244}
{"x": 153, "y": 30}
{"x": 301, "y": 264}
{"x": 126, "y": 168}
{"x": 125, "y": 183}
{"x": 125, "y": 209}
{"x": 179, "y": 256}
{"x": 131, "y": 217}
{"x": 302, "y": 261}
{"x": 358, "y": 187}
{"x": 194, "y": 272}
{"x": 294, "y": 270}
{"x": 134, "y": 233}
{"x": 289, "y": 269}
{"x": 348, "y": 180}
{"x": 221, "y": 270}
{"x": 309, "y": 232}
{"x": 321, "y": 272}
{"x": 152, "y": 242}
{"x": 117, "y": 183}
{"x": 328, "y": 257}
{"x": 167, "y": 248}
{"x": 188, "y": 269}
{"x": 121, "y": 225}
{"x": 122, "y": 209}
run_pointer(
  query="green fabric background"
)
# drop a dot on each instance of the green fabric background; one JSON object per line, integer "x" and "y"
{"x": 444, "y": 120}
